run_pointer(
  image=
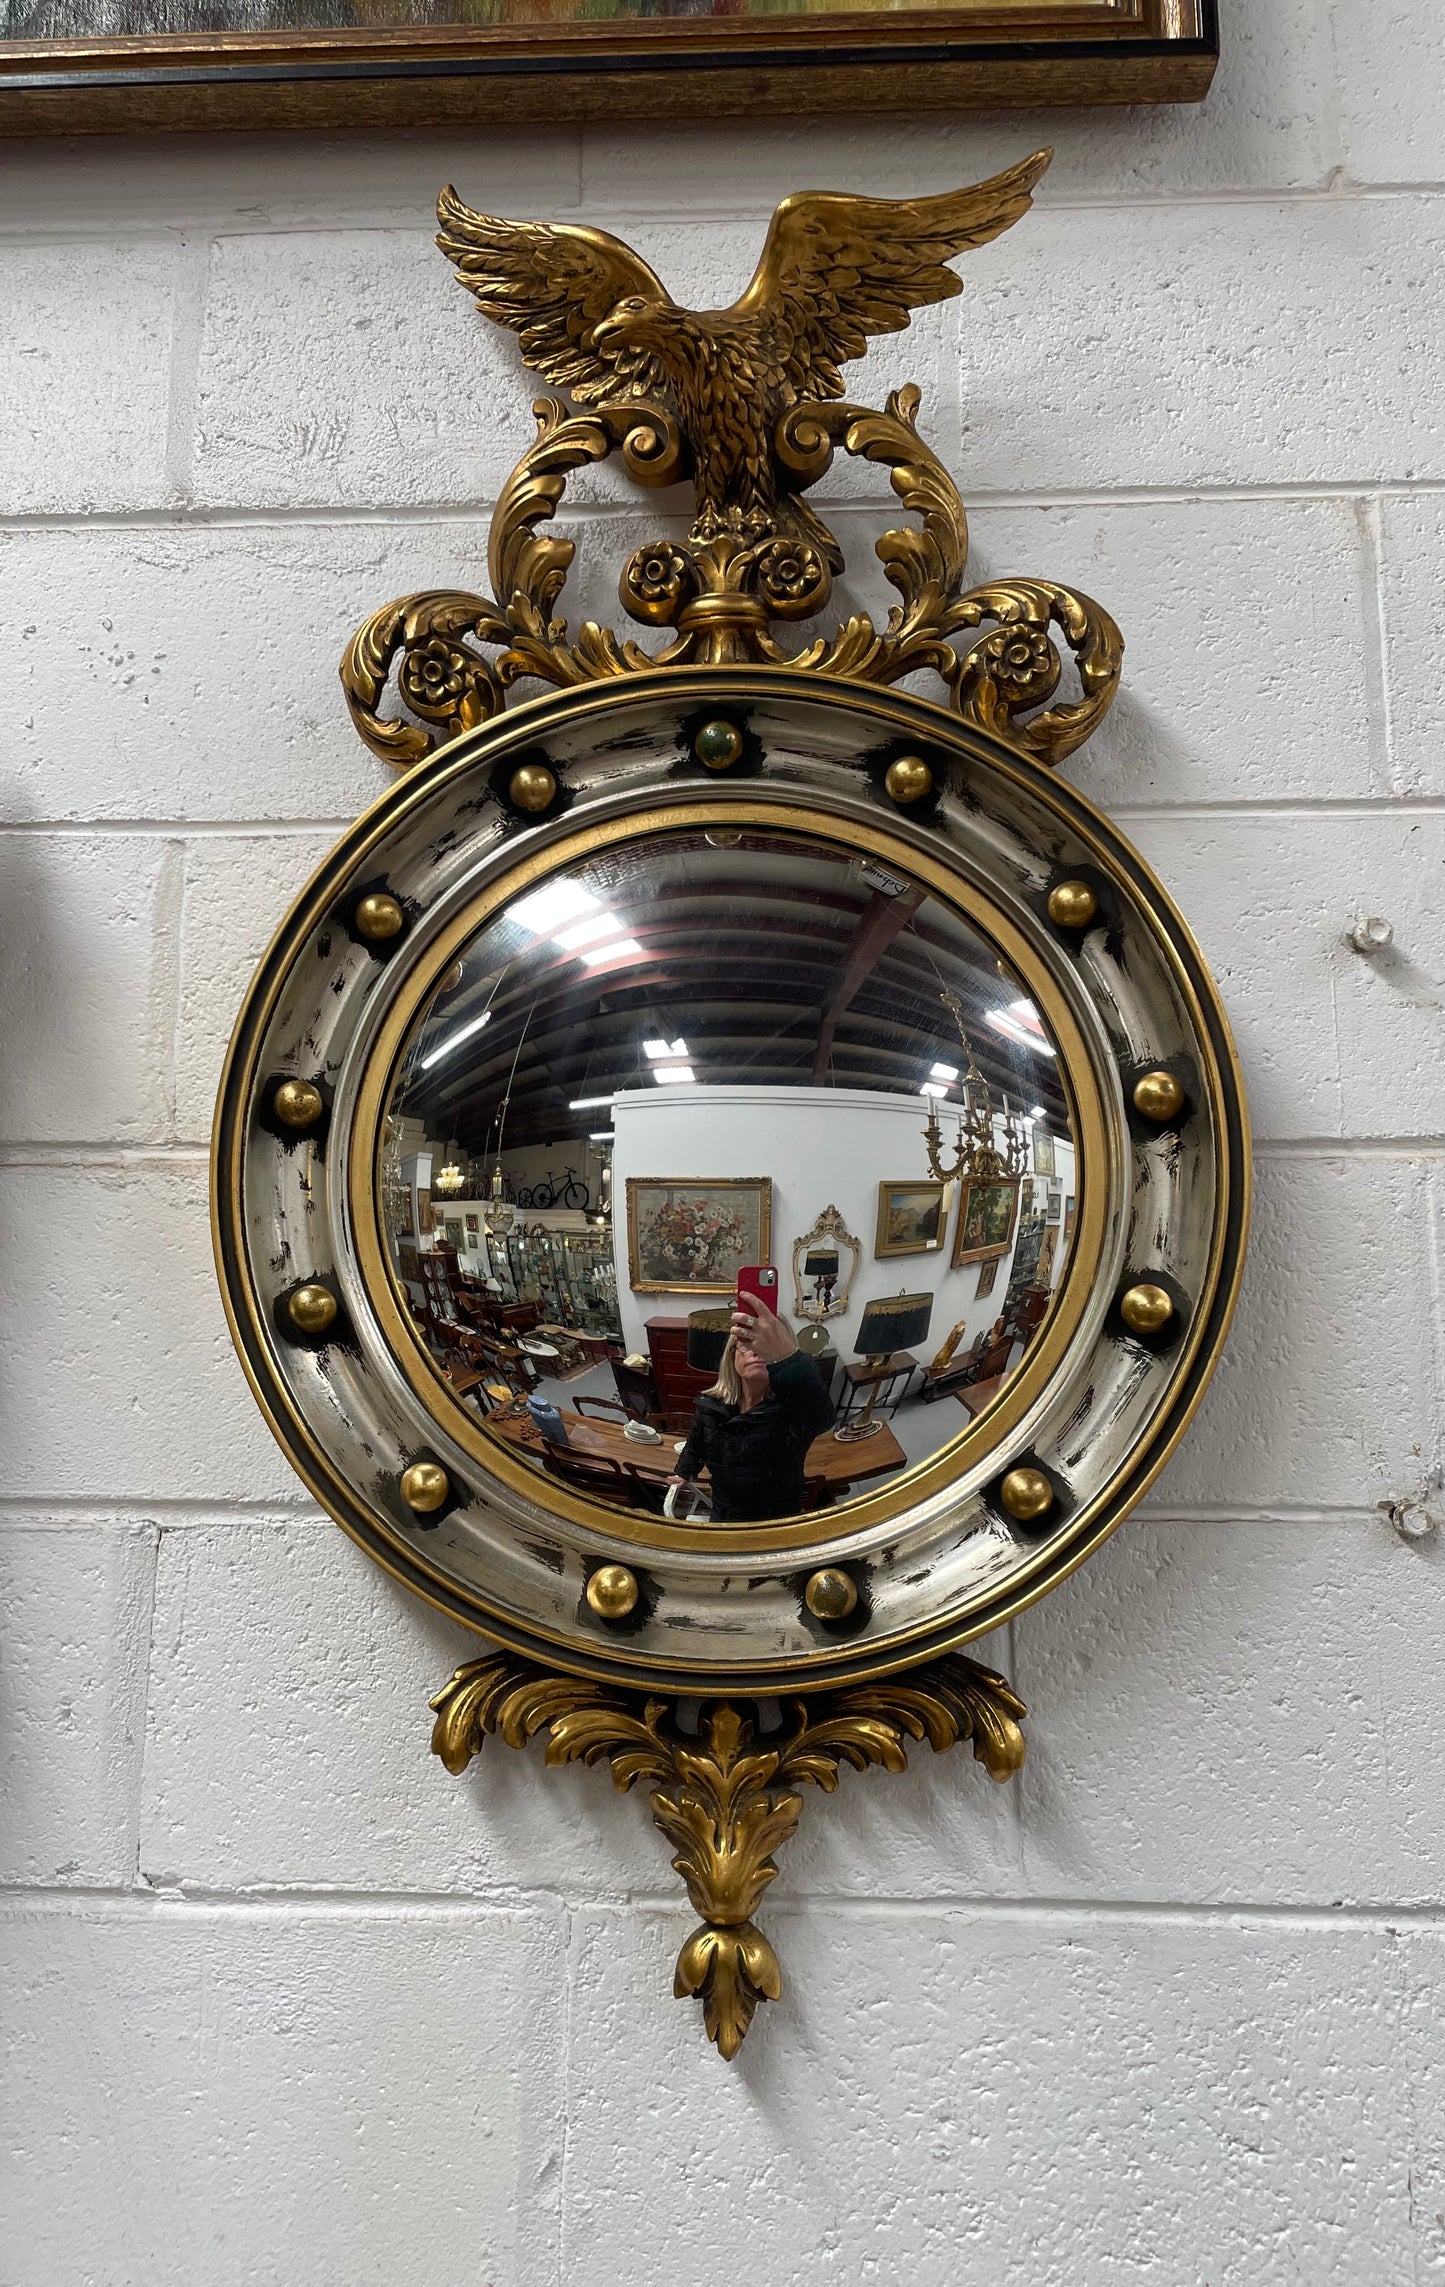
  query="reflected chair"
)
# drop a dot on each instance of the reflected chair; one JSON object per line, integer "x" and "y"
{"x": 594, "y": 1473}
{"x": 637, "y": 1392}
{"x": 992, "y": 1359}
{"x": 584, "y": 1405}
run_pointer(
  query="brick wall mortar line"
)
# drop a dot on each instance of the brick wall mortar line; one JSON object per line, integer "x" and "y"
{"x": 36, "y": 1512}
{"x": 1329, "y": 808}
{"x": 403, "y": 1905}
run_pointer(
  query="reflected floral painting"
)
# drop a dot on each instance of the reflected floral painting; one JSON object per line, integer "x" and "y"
{"x": 696, "y": 1235}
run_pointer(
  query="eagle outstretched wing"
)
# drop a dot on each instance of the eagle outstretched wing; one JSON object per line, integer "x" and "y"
{"x": 836, "y": 269}
{"x": 553, "y": 284}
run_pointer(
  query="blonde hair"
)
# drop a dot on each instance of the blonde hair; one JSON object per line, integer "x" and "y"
{"x": 727, "y": 1386}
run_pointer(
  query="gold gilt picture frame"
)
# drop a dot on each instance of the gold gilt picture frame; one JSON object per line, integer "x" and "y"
{"x": 692, "y": 1236}
{"x": 987, "y": 1218}
{"x": 912, "y": 1218}
{"x": 248, "y": 64}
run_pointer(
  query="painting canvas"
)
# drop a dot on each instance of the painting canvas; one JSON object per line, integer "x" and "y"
{"x": 985, "y": 1228}
{"x": 1044, "y": 1162}
{"x": 987, "y": 1278}
{"x": 696, "y": 1235}
{"x": 911, "y": 1218}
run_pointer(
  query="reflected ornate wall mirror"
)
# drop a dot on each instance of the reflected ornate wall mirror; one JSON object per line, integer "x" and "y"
{"x": 560, "y": 1050}
{"x": 825, "y": 1264}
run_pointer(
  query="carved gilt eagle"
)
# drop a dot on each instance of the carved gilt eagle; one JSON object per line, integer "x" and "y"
{"x": 598, "y": 322}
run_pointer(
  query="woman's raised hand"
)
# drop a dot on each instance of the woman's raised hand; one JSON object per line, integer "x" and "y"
{"x": 762, "y": 1334}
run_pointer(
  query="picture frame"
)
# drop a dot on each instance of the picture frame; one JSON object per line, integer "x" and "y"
{"x": 912, "y": 1218}
{"x": 965, "y": 55}
{"x": 1070, "y": 1208}
{"x": 987, "y": 1278}
{"x": 1054, "y": 1213}
{"x": 987, "y": 1221}
{"x": 692, "y": 1234}
{"x": 1045, "y": 1157}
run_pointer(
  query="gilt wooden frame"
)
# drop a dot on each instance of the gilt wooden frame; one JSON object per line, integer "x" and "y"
{"x": 964, "y": 55}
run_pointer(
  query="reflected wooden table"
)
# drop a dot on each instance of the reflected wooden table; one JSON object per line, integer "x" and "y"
{"x": 829, "y": 1465}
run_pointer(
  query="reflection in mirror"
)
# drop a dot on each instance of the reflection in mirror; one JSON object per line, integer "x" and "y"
{"x": 691, "y": 1067}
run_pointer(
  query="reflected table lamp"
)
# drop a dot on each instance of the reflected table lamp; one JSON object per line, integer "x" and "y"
{"x": 897, "y": 1323}
{"x": 821, "y": 1266}
{"x": 707, "y": 1338}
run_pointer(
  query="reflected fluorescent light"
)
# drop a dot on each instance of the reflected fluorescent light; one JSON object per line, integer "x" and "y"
{"x": 587, "y": 1103}
{"x": 1038, "y": 1113}
{"x": 659, "y": 1049}
{"x": 603, "y": 1135}
{"x": 587, "y": 932}
{"x": 666, "y": 1074}
{"x": 550, "y": 909}
{"x": 1003, "y": 1021}
{"x": 455, "y": 1039}
{"x": 620, "y": 949}
{"x": 932, "y": 1088}
{"x": 944, "y": 1072}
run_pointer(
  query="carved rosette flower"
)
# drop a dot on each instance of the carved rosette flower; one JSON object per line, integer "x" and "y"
{"x": 656, "y": 582}
{"x": 1015, "y": 666}
{"x": 439, "y": 679}
{"x": 792, "y": 579}
{"x": 1023, "y": 663}
{"x": 433, "y": 679}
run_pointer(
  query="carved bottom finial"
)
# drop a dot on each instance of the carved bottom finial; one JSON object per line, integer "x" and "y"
{"x": 722, "y": 1795}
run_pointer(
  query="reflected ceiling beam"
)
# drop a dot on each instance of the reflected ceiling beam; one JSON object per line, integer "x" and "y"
{"x": 881, "y": 921}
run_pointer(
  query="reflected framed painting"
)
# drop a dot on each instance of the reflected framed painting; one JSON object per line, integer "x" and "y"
{"x": 696, "y": 1236}
{"x": 110, "y": 66}
{"x": 912, "y": 1218}
{"x": 985, "y": 1227}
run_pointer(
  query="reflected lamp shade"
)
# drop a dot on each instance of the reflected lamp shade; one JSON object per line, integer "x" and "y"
{"x": 898, "y": 1322}
{"x": 707, "y": 1338}
{"x": 821, "y": 1262}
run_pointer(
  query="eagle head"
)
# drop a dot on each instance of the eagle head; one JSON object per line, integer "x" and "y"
{"x": 636, "y": 322}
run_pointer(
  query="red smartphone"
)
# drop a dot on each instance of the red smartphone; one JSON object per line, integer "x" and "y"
{"x": 759, "y": 1281}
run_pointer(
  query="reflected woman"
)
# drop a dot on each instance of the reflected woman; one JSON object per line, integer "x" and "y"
{"x": 751, "y": 1431}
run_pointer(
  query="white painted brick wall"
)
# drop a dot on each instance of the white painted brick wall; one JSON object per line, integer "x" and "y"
{"x": 286, "y": 2002}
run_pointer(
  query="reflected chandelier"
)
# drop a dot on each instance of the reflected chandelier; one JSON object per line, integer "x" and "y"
{"x": 977, "y": 1157}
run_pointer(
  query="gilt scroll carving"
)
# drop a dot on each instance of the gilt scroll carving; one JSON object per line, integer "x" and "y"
{"x": 726, "y": 1795}
{"x": 747, "y": 404}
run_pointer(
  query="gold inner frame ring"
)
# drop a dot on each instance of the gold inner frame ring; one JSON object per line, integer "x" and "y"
{"x": 386, "y": 1048}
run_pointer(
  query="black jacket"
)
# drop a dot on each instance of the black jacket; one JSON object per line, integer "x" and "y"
{"x": 755, "y": 1459}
